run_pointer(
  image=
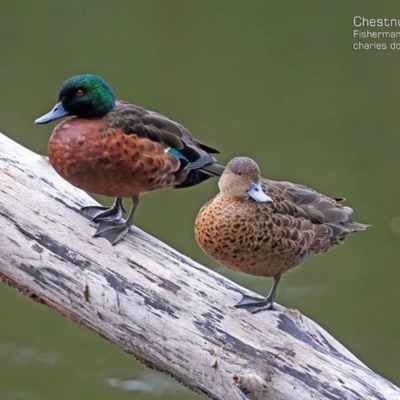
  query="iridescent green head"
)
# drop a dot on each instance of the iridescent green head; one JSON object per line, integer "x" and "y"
{"x": 85, "y": 96}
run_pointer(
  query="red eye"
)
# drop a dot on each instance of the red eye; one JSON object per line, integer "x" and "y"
{"x": 239, "y": 173}
{"x": 79, "y": 93}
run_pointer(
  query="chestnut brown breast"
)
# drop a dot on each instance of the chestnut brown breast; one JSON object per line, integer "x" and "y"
{"x": 107, "y": 161}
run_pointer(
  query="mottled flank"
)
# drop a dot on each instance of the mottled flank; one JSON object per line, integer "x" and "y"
{"x": 118, "y": 149}
{"x": 105, "y": 156}
{"x": 271, "y": 237}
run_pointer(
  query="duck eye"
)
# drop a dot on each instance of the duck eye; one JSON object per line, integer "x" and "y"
{"x": 239, "y": 173}
{"x": 79, "y": 93}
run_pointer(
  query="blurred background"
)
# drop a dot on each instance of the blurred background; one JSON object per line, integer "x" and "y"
{"x": 279, "y": 82}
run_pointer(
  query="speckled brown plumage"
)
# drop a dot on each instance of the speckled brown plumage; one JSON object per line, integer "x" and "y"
{"x": 269, "y": 238}
{"x": 104, "y": 156}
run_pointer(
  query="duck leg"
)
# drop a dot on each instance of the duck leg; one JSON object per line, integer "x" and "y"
{"x": 98, "y": 213}
{"x": 256, "y": 304}
{"x": 114, "y": 230}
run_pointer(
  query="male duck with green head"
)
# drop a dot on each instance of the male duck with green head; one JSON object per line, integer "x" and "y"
{"x": 117, "y": 149}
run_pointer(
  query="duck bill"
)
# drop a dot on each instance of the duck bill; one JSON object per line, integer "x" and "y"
{"x": 258, "y": 194}
{"x": 58, "y": 111}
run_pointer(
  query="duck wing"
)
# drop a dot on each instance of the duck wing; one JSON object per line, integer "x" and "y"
{"x": 300, "y": 201}
{"x": 195, "y": 157}
{"x": 152, "y": 125}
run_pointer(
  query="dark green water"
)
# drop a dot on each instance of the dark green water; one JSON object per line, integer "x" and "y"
{"x": 278, "y": 82}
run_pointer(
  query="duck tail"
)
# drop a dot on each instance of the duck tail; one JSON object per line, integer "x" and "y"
{"x": 196, "y": 176}
{"x": 213, "y": 169}
{"x": 356, "y": 226}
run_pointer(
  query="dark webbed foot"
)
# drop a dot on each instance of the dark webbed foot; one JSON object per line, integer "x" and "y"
{"x": 99, "y": 213}
{"x": 113, "y": 231}
{"x": 255, "y": 304}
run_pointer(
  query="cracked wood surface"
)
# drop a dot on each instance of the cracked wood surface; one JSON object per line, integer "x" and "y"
{"x": 172, "y": 314}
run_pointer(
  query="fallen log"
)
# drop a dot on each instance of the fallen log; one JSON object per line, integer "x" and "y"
{"x": 169, "y": 312}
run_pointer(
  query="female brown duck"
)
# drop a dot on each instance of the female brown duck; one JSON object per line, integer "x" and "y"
{"x": 265, "y": 228}
{"x": 118, "y": 149}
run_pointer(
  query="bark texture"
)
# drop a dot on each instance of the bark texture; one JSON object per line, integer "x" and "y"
{"x": 171, "y": 313}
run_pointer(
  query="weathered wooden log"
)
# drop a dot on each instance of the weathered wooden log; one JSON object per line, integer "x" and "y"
{"x": 171, "y": 313}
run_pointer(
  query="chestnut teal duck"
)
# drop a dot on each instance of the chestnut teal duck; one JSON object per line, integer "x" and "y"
{"x": 117, "y": 149}
{"x": 265, "y": 228}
